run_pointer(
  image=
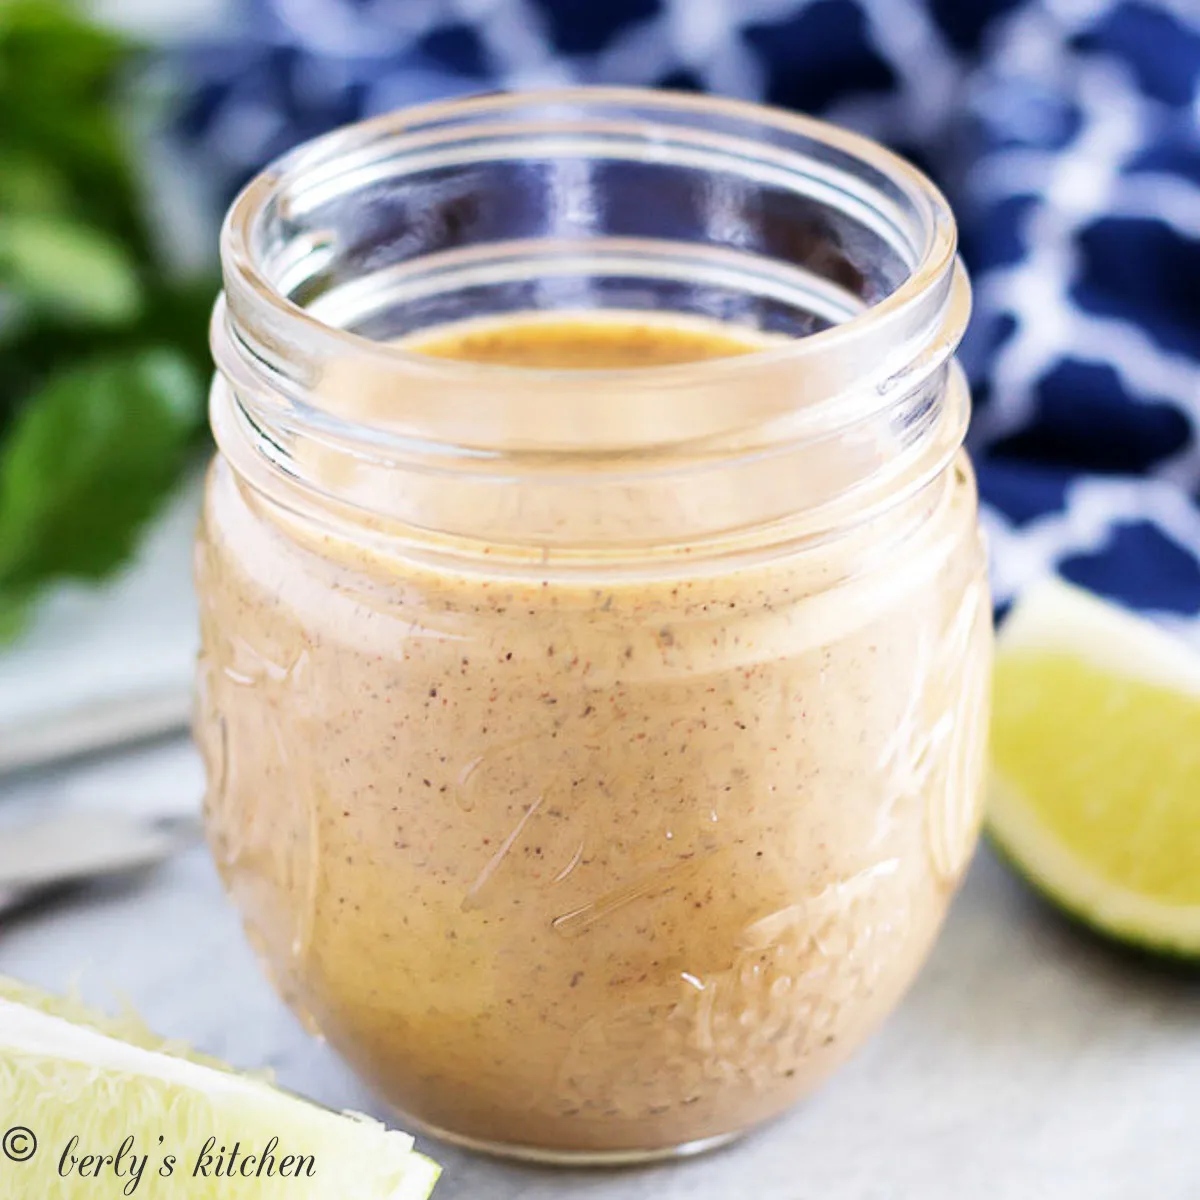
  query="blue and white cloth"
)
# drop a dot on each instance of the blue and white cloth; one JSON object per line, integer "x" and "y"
{"x": 1066, "y": 133}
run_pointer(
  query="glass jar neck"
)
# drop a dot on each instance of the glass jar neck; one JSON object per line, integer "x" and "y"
{"x": 836, "y": 253}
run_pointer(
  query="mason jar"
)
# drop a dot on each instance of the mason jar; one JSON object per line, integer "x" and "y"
{"x": 592, "y": 750}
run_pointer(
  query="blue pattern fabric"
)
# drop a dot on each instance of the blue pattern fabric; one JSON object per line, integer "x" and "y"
{"x": 1064, "y": 131}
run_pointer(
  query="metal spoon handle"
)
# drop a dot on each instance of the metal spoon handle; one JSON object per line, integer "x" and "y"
{"x": 74, "y": 846}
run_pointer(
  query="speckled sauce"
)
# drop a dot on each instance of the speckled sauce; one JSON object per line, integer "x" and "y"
{"x": 586, "y": 864}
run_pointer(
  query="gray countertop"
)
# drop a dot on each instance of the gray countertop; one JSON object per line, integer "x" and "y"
{"x": 1029, "y": 1060}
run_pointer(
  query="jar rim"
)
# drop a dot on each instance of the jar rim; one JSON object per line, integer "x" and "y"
{"x": 248, "y": 283}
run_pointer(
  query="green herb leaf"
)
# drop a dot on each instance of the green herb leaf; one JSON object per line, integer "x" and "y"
{"x": 61, "y": 79}
{"x": 52, "y": 48}
{"x": 16, "y": 607}
{"x": 56, "y": 264}
{"x": 30, "y": 184}
{"x": 178, "y": 313}
{"x": 87, "y": 460}
{"x": 96, "y": 420}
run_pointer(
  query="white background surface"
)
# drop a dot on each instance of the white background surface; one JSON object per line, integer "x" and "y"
{"x": 1029, "y": 1062}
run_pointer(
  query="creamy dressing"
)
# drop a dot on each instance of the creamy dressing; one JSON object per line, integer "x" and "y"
{"x": 592, "y": 865}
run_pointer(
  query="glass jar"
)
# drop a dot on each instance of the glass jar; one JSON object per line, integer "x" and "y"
{"x": 592, "y": 753}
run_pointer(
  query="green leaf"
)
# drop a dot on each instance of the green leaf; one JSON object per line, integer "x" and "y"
{"x": 62, "y": 85}
{"x": 95, "y": 423}
{"x": 67, "y": 267}
{"x": 175, "y": 313}
{"x": 87, "y": 460}
{"x": 178, "y": 313}
{"x": 31, "y": 184}
{"x": 16, "y": 608}
{"x": 52, "y": 47}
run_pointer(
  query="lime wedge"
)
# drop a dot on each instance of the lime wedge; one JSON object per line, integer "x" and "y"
{"x": 85, "y": 1112}
{"x": 1095, "y": 793}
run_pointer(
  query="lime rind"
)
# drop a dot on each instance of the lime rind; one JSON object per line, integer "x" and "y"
{"x": 1072, "y": 885}
{"x": 1067, "y": 623}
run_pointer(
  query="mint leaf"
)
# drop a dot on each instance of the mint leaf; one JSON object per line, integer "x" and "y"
{"x": 52, "y": 48}
{"x": 56, "y": 264}
{"x": 61, "y": 88}
{"x": 16, "y": 607}
{"x": 96, "y": 420}
{"x": 87, "y": 460}
{"x": 175, "y": 313}
{"x": 30, "y": 184}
